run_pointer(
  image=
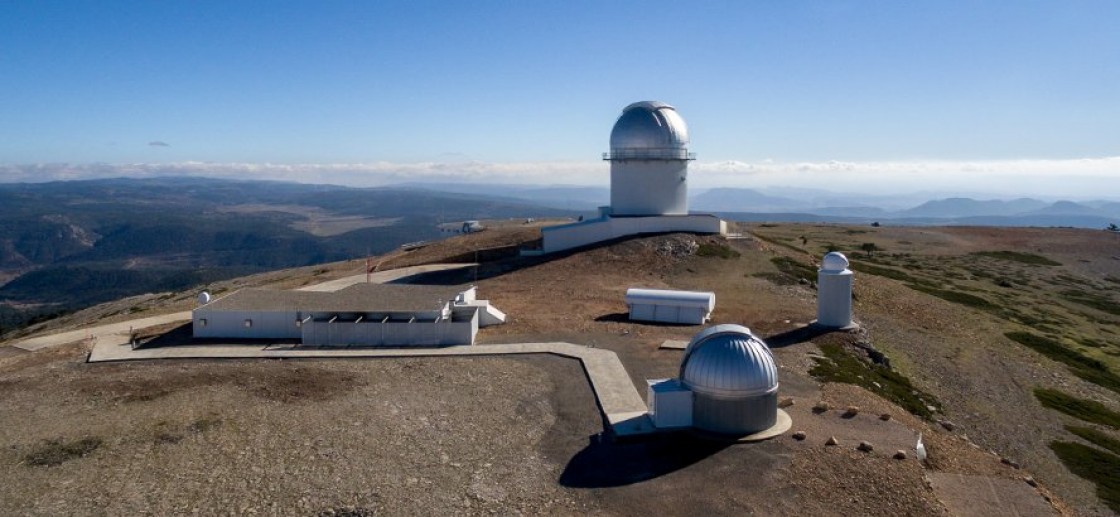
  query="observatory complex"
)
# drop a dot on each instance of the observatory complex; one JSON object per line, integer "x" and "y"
{"x": 649, "y": 183}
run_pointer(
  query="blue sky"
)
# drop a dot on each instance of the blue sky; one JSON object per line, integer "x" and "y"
{"x": 861, "y": 90}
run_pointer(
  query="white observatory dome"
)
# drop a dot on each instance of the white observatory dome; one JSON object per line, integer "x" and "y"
{"x": 729, "y": 361}
{"x": 834, "y": 262}
{"x": 649, "y": 126}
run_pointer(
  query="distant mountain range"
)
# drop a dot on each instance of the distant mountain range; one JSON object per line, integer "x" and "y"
{"x": 66, "y": 245}
{"x": 790, "y": 204}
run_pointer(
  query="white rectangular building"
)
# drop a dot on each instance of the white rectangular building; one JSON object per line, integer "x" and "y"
{"x": 670, "y": 306}
{"x": 359, "y": 315}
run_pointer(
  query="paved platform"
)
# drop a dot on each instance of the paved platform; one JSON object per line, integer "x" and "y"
{"x": 674, "y": 344}
{"x": 618, "y": 399}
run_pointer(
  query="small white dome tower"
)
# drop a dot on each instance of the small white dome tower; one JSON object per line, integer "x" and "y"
{"x": 649, "y": 161}
{"x": 834, "y": 292}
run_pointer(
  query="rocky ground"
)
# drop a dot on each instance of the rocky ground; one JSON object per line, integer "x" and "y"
{"x": 483, "y": 435}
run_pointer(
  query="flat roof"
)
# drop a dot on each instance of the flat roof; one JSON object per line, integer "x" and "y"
{"x": 356, "y": 298}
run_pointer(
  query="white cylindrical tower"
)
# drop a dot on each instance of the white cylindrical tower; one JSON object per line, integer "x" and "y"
{"x": 834, "y": 292}
{"x": 649, "y": 161}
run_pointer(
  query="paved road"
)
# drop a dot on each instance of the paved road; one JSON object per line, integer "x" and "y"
{"x": 383, "y": 277}
{"x": 619, "y": 400}
{"x": 118, "y": 333}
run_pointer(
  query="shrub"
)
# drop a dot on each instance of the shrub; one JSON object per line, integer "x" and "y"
{"x": 57, "y": 452}
{"x": 1094, "y": 465}
{"x": 1015, "y": 256}
{"x": 1079, "y": 408}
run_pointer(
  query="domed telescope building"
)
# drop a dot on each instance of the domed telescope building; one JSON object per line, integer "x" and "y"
{"x": 649, "y": 183}
{"x": 728, "y": 387}
{"x": 649, "y": 161}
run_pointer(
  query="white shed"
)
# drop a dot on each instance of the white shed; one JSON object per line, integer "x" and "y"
{"x": 668, "y": 306}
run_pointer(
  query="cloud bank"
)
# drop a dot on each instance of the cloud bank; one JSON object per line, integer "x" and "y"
{"x": 1073, "y": 178}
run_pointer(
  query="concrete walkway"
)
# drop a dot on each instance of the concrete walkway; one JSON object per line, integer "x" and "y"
{"x": 117, "y": 333}
{"x": 111, "y": 333}
{"x": 619, "y": 400}
{"x": 383, "y": 277}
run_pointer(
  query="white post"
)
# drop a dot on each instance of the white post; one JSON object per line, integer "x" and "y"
{"x": 834, "y": 292}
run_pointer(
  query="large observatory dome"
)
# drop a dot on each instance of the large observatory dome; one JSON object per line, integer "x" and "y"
{"x": 649, "y": 129}
{"x": 734, "y": 379}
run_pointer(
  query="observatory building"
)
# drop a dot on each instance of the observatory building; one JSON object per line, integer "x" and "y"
{"x": 359, "y": 315}
{"x": 649, "y": 183}
{"x": 834, "y": 292}
{"x": 728, "y": 386}
{"x": 670, "y": 306}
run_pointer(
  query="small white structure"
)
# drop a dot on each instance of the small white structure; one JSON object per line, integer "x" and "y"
{"x": 669, "y": 306}
{"x": 359, "y": 315}
{"x": 649, "y": 183}
{"x": 670, "y": 403}
{"x": 834, "y": 292}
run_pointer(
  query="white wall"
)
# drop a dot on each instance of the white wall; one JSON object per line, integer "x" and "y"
{"x": 649, "y": 187}
{"x": 667, "y": 313}
{"x": 669, "y": 402}
{"x": 231, "y": 324}
{"x": 459, "y": 331}
{"x": 568, "y": 236}
{"x": 834, "y": 298}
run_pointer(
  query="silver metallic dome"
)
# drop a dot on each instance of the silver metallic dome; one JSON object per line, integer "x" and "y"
{"x": 834, "y": 262}
{"x": 727, "y": 361}
{"x": 649, "y": 126}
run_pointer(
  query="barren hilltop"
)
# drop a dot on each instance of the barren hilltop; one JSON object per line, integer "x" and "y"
{"x": 1000, "y": 347}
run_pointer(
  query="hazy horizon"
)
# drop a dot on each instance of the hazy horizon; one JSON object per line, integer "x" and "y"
{"x": 878, "y": 97}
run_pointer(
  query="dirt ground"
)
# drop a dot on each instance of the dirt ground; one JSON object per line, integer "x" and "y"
{"x": 483, "y": 435}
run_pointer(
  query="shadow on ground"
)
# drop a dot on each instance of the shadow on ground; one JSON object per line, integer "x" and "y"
{"x": 624, "y": 317}
{"x": 797, "y": 335}
{"x": 605, "y": 463}
{"x": 502, "y": 264}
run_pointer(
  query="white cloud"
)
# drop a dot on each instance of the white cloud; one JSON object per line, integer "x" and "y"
{"x": 1083, "y": 177}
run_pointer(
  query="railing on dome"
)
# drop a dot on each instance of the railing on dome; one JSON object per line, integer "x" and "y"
{"x": 649, "y": 154}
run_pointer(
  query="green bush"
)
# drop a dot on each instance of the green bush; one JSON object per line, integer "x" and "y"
{"x": 1085, "y": 367}
{"x": 1079, "y": 408}
{"x": 1095, "y": 437}
{"x": 839, "y": 365}
{"x": 722, "y": 251}
{"x": 57, "y": 452}
{"x": 1015, "y": 256}
{"x": 1094, "y": 465}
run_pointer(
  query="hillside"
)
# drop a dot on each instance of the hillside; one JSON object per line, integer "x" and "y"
{"x": 68, "y": 245}
{"x": 944, "y": 314}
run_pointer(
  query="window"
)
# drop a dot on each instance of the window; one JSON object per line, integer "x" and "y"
{"x": 248, "y": 323}
{"x": 202, "y": 322}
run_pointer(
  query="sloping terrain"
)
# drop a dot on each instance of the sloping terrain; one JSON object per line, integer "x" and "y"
{"x": 65, "y": 246}
{"x": 499, "y": 434}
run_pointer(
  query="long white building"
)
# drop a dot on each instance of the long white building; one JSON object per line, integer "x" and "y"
{"x": 359, "y": 315}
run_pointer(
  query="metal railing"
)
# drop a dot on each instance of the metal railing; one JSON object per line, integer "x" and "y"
{"x": 649, "y": 154}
